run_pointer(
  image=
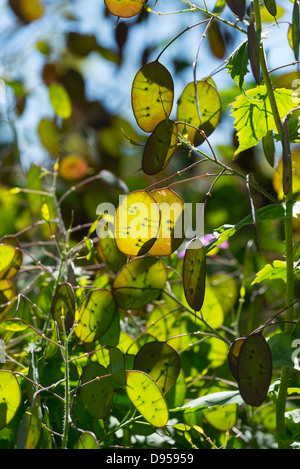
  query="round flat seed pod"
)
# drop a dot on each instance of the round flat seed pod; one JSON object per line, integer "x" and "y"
{"x": 10, "y": 397}
{"x": 271, "y": 7}
{"x": 160, "y": 361}
{"x": 160, "y": 147}
{"x": 187, "y": 111}
{"x": 95, "y": 314}
{"x": 63, "y": 304}
{"x": 136, "y": 223}
{"x": 254, "y": 369}
{"x": 147, "y": 397}
{"x": 124, "y": 8}
{"x": 117, "y": 364}
{"x": 171, "y": 229}
{"x": 10, "y": 261}
{"x": 152, "y": 95}
{"x": 139, "y": 282}
{"x": 238, "y": 7}
{"x": 194, "y": 274}
{"x": 233, "y": 355}
{"x": 97, "y": 396}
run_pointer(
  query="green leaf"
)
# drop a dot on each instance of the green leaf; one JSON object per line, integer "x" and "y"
{"x": 117, "y": 364}
{"x": 161, "y": 362}
{"x": 152, "y": 95}
{"x": 95, "y": 314}
{"x": 210, "y": 107}
{"x": 281, "y": 349}
{"x": 124, "y": 8}
{"x": 254, "y": 117}
{"x": 139, "y": 282}
{"x": 87, "y": 440}
{"x": 96, "y": 391}
{"x": 210, "y": 400}
{"x": 160, "y": 147}
{"x": 63, "y": 305}
{"x": 147, "y": 397}
{"x": 194, "y": 274}
{"x": 10, "y": 397}
{"x": 276, "y": 270}
{"x": 14, "y": 325}
{"x": 60, "y": 100}
{"x": 238, "y": 64}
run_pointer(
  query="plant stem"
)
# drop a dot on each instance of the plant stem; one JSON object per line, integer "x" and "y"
{"x": 67, "y": 395}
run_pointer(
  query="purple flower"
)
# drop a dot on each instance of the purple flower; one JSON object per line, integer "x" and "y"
{"x": 206, "y": 239}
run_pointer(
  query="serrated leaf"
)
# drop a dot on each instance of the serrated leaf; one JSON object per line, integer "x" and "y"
{"x": 254, "y": 117}
{"x": 124, "y": 8}
{"x": 139, "y": 282}
{"x": 238, "y": 64}
{"x": 275, "y": 270}
{"x": 152, "y": 95}
{"x": 187, "y": 111}
{"x": 147, "y": 397}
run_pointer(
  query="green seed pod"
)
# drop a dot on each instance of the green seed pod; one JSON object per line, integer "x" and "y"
{"x": 271, "y": 7}
{"x": 286, "y": 158}
{"x": 253, "y": 51}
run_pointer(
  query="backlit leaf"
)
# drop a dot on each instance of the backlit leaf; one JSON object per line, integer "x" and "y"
{"x": 161, "y": 362}
{"x": 237, "y": 6}
{"x": 10, "y": 261}
{"x": 171, "y": 230}
{"x": 139, "y": 282}
{"x": 136, "y": 223}
{"x": 152, "y": 95}
{"x": 60, "y": 100}
{"x": 238, "y": 64}
{"x": 95, "y": 314}
{"x": 233, "y": 355}
{"x": 147, "y": 397}
{"x": 87, "y": 440}
{"x": 209, "y": 107}
{"x": 160, "y": 147}
{"x": 117, "y": 365}
{"x": 27, "y": 10}
{"x": 124, "y": 8}
{"x": 97, "y": 395}
{"x": 10, "y": 397}
{"x": 194, "y": 274}
{"x": 254, "y": 369}
{"x": 63, "y": 305}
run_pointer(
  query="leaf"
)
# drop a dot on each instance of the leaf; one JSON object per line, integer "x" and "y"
{"x": 172, "y": 222}
{"x": 10, "y": 261}
{"x": 275, "y": 270}
{"x": 161, "y": 362}
{"x": 152, "y": 95}
{"x": 124, "y": 8}
{"x": 238, "y": 64}
{"x": 63, "y": 305}
{"x": 73, "y": 167}
{"x": 45, "y": 212}
{"x": 27, "y": 10}
{"x": 210, "y": 400}
{"x": 281, "y": 346}
{"x": 139, "y": 282}
{"x": 14, "y": 325}
{"x": 95, "y": 314}
{"x": 147, "y": 397}
{"x": 160, "y": 147}
{"x": 254, "y": 369}
{"x": 60, "y": 100}
{"x": 194, "y": 274}
{"x": 253, "y": 114}
{"x": 253, "y": 52}
{"x": 219, "y": 7}
{"x": 10, "y": 397}
{"x": 97, "y": 395}
{"x": 49, "y": 135}
{"x": 271, "y": 7}
{"x": 187, "y": 111}
{"x": 237, "y": 6}
{"x": 136, "y": 223}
